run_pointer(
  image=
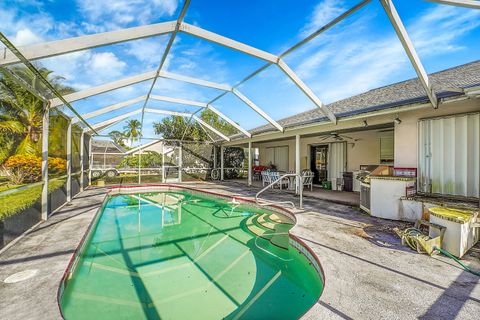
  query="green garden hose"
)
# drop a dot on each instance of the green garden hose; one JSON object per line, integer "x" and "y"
{"x": 411, "y": 237}
{"x": 465, "y": 267}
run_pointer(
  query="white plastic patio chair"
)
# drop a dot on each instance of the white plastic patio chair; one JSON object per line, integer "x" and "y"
{"x": 307, "y": 178}
{"x": 275, "y": 175}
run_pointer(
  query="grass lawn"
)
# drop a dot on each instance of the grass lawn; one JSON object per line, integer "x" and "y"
{"x": 16, "y": 202}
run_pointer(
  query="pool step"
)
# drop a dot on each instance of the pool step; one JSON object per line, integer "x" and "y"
{"x": 277, "y": 234}
{"x": 258, "y": 230}
{"x": 265, "y": 223}
{"x": 269, "y": 221}
{"x": 279, "y": 218}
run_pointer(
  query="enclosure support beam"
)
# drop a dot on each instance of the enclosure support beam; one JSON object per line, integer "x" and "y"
{"x": 180, "y": 162}
{"x": 163, "y": 161}
{"x": 230, "y": 121}
{"x": 104, "y": 88}
{"x": 82, "y": 152}
{"x": 110, "y": 108}
{"x": 45, "y": 125}
{"x": 460, "y": 3}
{"x": 102, "y": 125}
{"x": 69, "y": 162}
{"x": 90, "y": 161}
{"x": 221, "y": 162}
{"x": 249, "y": 163}
{"x": 306, "y": 90}
{"x": 410, "y": 50}
{"x": 298, "y": 184}
{"x": 206, "y": 125}
{"x": 257, "y": 109}
{"x": 59, "y": 47}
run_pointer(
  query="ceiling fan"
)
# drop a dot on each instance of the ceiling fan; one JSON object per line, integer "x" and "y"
{"x": 337, "y": 137}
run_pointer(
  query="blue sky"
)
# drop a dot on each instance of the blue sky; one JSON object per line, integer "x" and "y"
{"x": 359, "y": 54}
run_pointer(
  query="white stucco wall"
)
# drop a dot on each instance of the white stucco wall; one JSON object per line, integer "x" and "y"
{"x": 366, "y": 150}
{"x": 406, "y": 133}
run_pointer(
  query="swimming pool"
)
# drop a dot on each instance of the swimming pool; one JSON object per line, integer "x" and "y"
{"x": 180, "y": 254}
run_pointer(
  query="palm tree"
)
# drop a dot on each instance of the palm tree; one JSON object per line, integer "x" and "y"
{"x": 132, "y": 130}
{"x": 21, "y": 112}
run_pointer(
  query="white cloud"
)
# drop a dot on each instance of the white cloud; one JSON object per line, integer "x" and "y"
{"x": 148, "y": 50}
{"x": 323, "y": 13}
{"x": 107, "y": 63}
{"x": 25, "y": 36}
{"x": 118, "y": 13}
{"x": 352, "y": 58}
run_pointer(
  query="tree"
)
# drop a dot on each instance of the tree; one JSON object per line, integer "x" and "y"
{"x": 149, "y": 159}
{"x": 132, "y": 129}
{"x": 175, "y": 127}
{"x": 118, "y": 138}
{"x": 21, "y": 112}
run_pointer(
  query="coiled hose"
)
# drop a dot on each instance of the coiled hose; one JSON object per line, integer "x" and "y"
{"x": 410, "y": 237}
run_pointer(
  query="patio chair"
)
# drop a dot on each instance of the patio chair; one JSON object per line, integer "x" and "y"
{"x": 265, "y": 178}
{"x": 275, "y": 175}
{"x": 307, "y": 179}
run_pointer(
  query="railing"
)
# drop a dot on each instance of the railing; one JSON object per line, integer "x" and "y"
{"x": 300, "y": 192}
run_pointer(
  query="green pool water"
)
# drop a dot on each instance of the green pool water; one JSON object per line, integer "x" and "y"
{"x": 174, "y": 255}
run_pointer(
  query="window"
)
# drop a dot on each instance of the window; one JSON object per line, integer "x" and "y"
{"x": 277, "y": 156}
{"x": 449, "y": 155}
{"x": 386, "y": 147}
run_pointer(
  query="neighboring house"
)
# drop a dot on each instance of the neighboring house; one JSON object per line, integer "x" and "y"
{"x": 394, "y": 125}
{"x": 107, "y": 155}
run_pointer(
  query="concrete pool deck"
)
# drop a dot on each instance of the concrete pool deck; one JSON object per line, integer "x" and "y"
{"x": 369, "y": 274}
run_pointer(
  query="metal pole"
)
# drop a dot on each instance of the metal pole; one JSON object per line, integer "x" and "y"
{"x": 180, "y": 163}
{"x": 298, "y": 184}
{"x": 214, "y": 157}
{"x": 69, "y": 161}
{"x": 221, "y": 163}
{"x": 90, "y": 161}
{"x": 249, "y": 163}
{"x": 163, "y": 161}
{"x": 45, "y": 126}
{"x": 139, "y": 163}
{"x": 82, "y": 142}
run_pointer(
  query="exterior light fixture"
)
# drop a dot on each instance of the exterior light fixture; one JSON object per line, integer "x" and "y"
{"x": 397, "y": 120}
{"x": 364, "y": 123}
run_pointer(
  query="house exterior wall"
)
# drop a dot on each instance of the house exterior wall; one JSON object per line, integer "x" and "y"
{"x": 406, "y": 133}
{"x": 366, "y": 150}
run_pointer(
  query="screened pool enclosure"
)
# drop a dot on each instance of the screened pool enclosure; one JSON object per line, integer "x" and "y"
{"x": 76, "y": 151}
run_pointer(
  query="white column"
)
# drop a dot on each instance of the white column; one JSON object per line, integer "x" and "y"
{"x": 221, "y": 163}
{"x": 249, "y": 163}
{"x": 214, "y": 157}
{"x": 163, "y": 162}
{"x": 82, "y": 142}
{"x": 180, "y": 162}
{"x": 69, "y": 161}
{"x": 297, "y": 162}
{"x": 45, "y": 125}
{"x": 139, "y": 163}
{"x": 90, "y": 160}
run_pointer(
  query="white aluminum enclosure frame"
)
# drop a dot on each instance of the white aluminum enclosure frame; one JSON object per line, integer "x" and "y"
{"x": 12, "y": 55}
{"x": 410, "y": 50}
{"x": 193, "y": 116}
{"x": 459, "y": 3}
{"x": 59, "y": 47}
{"x": 127, "y": 103}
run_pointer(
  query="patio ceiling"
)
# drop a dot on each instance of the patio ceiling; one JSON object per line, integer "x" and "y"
{"x": 24, "y": 54}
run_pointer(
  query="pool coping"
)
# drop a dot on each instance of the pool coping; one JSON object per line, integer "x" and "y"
{"x": 294, "y": 240}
